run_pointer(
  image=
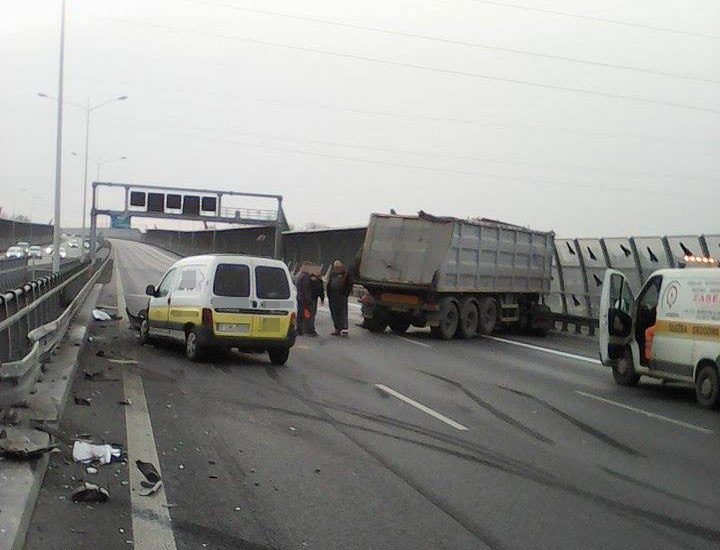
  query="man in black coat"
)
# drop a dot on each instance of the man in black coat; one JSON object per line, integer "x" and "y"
{"x": 339, "y": 288}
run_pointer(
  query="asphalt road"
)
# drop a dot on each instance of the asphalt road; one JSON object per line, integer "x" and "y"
{"x": 381, "y": 442}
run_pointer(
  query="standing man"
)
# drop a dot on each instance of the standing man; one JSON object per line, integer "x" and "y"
{"x": 339, "y": 288}
{"x": 317, "y": 292}
{"x": 303, "y": 299}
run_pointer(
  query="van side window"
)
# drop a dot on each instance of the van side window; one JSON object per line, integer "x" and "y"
{"x": 232, "y": 280}
{"x": 620, "y": 295}
{"x": 165, "y": 285}
{"x": 192, "y": 278}
{"x": 272, "y": 283}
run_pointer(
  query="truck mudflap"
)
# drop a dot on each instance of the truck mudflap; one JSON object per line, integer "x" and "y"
{"x": 540, "y": 318}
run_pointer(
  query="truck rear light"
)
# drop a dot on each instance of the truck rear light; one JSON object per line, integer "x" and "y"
{"x": 207, "y": 317}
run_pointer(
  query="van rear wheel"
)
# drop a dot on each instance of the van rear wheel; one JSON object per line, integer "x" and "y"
{"x": 279, "y": 356}
{"x": 707, "y": 386}
{"x": 624, "y": 371}
{"x": 193, "y": 350}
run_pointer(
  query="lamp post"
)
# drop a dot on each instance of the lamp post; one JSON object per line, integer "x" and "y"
{"x": 58, "y": 147}
{"x": 88, "y": 109}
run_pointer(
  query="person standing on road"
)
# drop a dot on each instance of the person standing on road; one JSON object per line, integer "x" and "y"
{"x": 304, "y": 293}
{"x": 339, "y": 288}
{"x": 317, "y": 292}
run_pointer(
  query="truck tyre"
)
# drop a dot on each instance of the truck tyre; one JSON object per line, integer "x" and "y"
{"x": 193, "y": 350}
{"x": 376, "y": 325}
{"x": 488, "y": 309}
{"x": 469, "y": 318}
{"x": 624, "y": 371}
{"x": 449, "y": 318}
{"x": 399, "y": 326}
{"x": 279, "y": 356}
{"x": 707, "y": 386}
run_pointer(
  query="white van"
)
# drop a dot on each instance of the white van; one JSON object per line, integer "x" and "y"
{"x": 671, "y": 331}
{"x": 224, "y": 301}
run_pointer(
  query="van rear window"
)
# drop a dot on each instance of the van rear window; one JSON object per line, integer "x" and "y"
{"x": 232, "y": 280}
{"x": 272, "y": 283}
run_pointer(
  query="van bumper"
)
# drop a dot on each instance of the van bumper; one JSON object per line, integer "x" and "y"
{"x": 242, "y": 343}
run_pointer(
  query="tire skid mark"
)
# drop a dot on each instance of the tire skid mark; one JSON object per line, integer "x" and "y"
{"x": 491, "y": 409}
{"x": 586, "y": 428}
{"x": 651, "y": 487}
{"x": 620, "y": 508}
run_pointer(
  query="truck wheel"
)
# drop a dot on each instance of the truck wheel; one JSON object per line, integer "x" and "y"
{"x": 279, "y": 356}
{"x": 469, "y": 319}
{"x": 193, "y": 350}
{"x": 488, "y": 315}
{"x": 376, "y": 325}
{"x": 624, "y": 371}
{"x": 399, "y": 326}
{"x": 449, "y": 318}
{"x": 707, "y": 386}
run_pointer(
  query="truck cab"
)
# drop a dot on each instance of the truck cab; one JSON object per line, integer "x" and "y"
{"x": 671, "y": 331}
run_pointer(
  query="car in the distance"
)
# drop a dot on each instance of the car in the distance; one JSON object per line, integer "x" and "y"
{"x": 35, "y": 252}
{"x": 74, "y": 243}
{"x": 62, "y": 252}
{"x": 15, "y": 252}
{"x": 24, "y": 245}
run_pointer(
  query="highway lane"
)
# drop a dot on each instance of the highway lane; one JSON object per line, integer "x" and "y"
{"x": 359, "y": 443}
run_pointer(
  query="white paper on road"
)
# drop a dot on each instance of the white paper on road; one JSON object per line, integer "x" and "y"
{"x": 87, "y": 452}
{"x": 100, "y": 315}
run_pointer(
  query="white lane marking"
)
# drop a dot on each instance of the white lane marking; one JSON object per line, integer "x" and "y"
{"x": 421, "y": 407}
{"x": 646, "y": 413}
{"x": 151, "y": 523}
{"x": 547, "y": 350}
{"x": 423, "y": 344}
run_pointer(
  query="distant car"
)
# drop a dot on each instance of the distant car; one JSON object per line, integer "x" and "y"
{"x": 49, "y": 249}
{"x": 86, "y": 244}
{"x": 35, "y": 252}
{"x": 24, "y": 245}
{"x": 62, "y": 252}
{"x": 74, "y": 243}
{"x": 15, "y": 252}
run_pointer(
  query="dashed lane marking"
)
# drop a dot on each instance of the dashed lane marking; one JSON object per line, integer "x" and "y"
{"x": 151, "y": 525}
{"x": 645, "y": 413}
{"x": 421, "y": 407}
{"x": 546, "y": 350}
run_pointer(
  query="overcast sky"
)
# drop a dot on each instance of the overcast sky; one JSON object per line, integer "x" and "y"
{"x": 229, "y": 98}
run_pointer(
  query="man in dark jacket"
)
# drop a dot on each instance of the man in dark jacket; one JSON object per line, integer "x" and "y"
{"x": 303, "y": 299}
{"x": 339, "y": 288}
{"x": 317, "y": 292}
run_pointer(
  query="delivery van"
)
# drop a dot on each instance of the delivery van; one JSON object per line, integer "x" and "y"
{"x": 671, "y": 331}
{"x": 224, "y": 301}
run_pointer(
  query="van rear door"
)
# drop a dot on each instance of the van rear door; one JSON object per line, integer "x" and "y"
{"x": 615, "y": 316}
{"x": 274, "y": 302}
{"x": 232, "y": 300}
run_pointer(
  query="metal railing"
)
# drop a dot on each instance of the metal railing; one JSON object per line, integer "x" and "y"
{"x": 33, "y": 320}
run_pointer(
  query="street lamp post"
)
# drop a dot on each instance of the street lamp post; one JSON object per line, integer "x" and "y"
{"x": 88, "y": 109}
{"x": 58, "y": 147}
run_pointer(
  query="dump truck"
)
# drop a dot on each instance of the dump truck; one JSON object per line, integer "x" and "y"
{"x": 462, "y": 278}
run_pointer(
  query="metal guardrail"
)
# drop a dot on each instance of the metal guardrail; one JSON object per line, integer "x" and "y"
{"x": 33, "y": 320}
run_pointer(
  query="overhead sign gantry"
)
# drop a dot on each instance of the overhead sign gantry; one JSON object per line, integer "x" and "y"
{"x": 172, "y": 203}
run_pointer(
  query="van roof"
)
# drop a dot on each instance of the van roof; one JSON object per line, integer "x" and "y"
{"x": 214, "y": 259}
{"x": 689, "y": 272}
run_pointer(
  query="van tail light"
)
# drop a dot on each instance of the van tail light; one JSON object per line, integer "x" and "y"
{"x": 207, "y": 318}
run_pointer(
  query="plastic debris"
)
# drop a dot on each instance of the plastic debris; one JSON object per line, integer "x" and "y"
{"x": 151, "y": 490}
{"x": 100, "y": 353}
{"x": 149, "y": 471}
{"x": 89, "y": 492}
{"x": 85, "y": 401}
{"x": 124, "y": 361}
{"x": 87, "y": 452}
{"x": 91, "y": 338}
{"x": 125, "y": 402}
{"x": 101, "y": 315}
{"x": 25, "y": 444}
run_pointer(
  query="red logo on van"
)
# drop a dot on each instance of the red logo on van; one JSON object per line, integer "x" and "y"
{"x": 671, "y": 294}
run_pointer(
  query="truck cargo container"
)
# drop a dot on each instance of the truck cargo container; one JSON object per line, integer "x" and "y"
{"x": 461, "y": 278}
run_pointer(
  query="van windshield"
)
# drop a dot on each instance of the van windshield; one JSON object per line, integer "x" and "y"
{"x": 272, "y": 283}
{"x": 232, "y": 280}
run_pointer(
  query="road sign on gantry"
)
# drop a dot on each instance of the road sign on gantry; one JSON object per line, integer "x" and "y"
{"x": 172, "y": 203}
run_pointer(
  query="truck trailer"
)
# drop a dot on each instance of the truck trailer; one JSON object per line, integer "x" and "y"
{"x": 462, "y": 278}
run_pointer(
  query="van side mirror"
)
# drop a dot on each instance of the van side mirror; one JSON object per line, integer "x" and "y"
{"x": 619, "y": 323}
{"x": 150, "y": 290}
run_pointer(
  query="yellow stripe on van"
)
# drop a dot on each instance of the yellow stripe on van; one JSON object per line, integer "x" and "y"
{"x": 684, "y": 329}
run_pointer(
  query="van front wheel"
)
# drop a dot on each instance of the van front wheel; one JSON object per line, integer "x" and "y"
{"x": 707, "y": 387}
{"x": 193, "y": 350}
{"x": 279, "y": 356}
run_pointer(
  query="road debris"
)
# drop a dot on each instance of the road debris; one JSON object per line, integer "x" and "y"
{"x": 151, "y": 490}
{"x": 149, "y": 471}
{"x": 91, "y": 470}
{"x": 124, "y": 361}
{"x": 25, "y": 443}
{"x": 89, "y": 492}
{"x": 84, "y": 401}
{"x": 87, "y": 452}
{"x": 127, "y": 402}
{"x": 99, "y": 315}
{"x": 100, "y": 353}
